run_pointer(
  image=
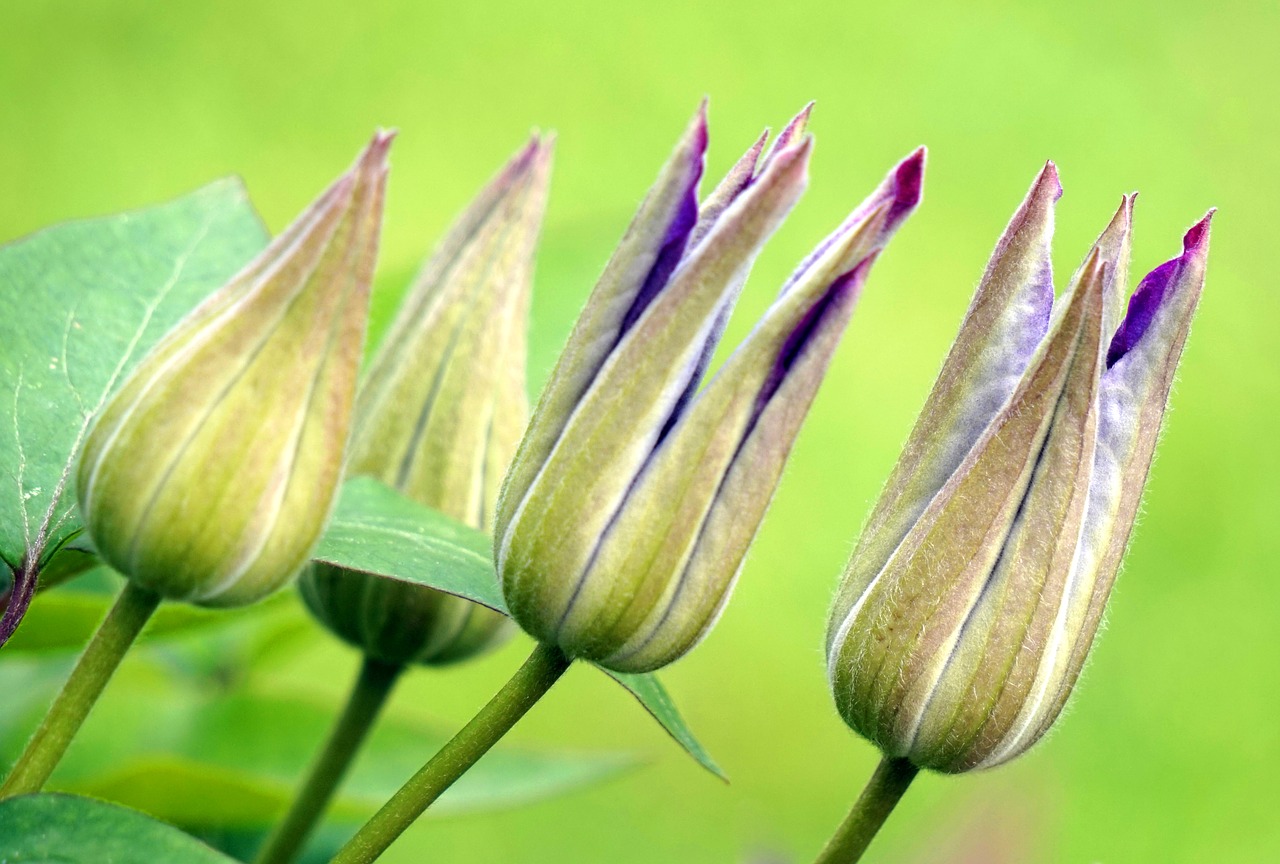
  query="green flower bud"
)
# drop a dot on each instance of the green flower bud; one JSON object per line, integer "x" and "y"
{"x": 209, "y": 475}
{"x": 976, "y": 589}
{"x": 634, "y": 497}
{"x": 440, "y": 414}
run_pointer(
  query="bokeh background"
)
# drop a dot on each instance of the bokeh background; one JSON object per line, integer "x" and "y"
{"x": 1170, "y": 749}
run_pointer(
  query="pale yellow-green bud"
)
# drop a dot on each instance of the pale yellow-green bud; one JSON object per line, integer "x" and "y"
{"x": 209, "y": 475}
{"x": 440, "y": 414}
{"x": 976, "y": 589}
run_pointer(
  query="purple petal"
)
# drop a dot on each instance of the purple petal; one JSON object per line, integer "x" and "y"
{"x": 903, "y": 187}
{"x": 677, "y": 236}
{"x": 1152, "y": 292}
{"x": 907, "y": 188}
{"x": 840, "y": 295}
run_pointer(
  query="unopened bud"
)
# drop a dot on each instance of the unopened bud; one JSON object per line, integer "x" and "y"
{"x": 209, "y": 476}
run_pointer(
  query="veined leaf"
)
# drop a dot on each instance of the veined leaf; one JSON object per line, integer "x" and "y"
{"x": 649, "y": 691}
{"x": 377, "y": 530}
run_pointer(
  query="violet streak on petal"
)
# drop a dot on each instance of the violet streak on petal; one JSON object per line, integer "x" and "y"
{"x": 673, "y": 247}
{"x": 1151, "y": 293}
{"x": 793, "y": 349}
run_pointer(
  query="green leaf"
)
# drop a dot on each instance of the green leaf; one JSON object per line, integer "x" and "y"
{"x": 649, "y": 691}
{"x": 80, "y": 304}
{"x": 234, "y": 761}
{"x": 378, "y": 531}
{"x": 48, "y": 828}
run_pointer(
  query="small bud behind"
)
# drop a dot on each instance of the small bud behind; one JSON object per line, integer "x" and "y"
{"x": 440, "y": 414}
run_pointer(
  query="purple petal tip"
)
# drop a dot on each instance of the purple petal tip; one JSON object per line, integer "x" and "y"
{"x": 909, "y": 178}
{"x": 702, "y": 133}
{"x": 1153, "y": 290}
{"x": 1197, "y": 236}
{"x": 908, "y": 187}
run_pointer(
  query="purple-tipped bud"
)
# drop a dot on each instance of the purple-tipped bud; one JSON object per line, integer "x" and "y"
{"x": 635, "y": 496}
{"x": 974, "y": 594}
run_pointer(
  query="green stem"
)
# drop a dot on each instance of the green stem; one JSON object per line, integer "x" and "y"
{"x": 543, "y": 668}
{"x": 372, "y": 687}
{"x": 882, "y": 793}
{"x": 101, "y": 656}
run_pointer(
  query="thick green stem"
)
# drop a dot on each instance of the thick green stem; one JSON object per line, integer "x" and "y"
{"x": 869, "y": 812}
{"x": 543, "y": 668}
{"x": 372, "y": 687}
{"x": 101, "y": 656}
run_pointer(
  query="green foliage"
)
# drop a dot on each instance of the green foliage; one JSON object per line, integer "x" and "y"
{"x": 381, "y": 532}
{"x": 184, "y": 748}
{"x": 63, "y": 620}
{"x": 181, "y": 735}
{"x": 73, "y": 830}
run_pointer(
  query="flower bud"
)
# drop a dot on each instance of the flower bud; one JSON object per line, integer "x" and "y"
{"x": 634, "y": 497}
{"x": 209, "y": 475}
{"x": 975, "y": 591}
{"x": 440, "y": 414}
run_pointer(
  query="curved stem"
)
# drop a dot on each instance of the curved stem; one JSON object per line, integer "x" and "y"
{"x": 543, "y": 668}
{"x": 132, "y": 610}
{"x": 373, "y": 685}
{"x": 881, "y": 795}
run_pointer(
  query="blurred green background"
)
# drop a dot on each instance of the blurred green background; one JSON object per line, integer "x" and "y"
{"x": 1169, "y": 752}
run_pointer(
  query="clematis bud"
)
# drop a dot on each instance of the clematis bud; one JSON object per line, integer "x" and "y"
{"x": 631, "y": 503}
{"x": 440, "y": 414}
{"x": 210, "y": 474}
{"x": 976, "y": 589}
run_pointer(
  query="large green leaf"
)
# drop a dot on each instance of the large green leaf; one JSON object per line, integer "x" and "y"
{"x": 204, "y": 759}
{"x": 80, "y": 304}
{"x": 378, "y": 531}
{"x": 66, "y": 829}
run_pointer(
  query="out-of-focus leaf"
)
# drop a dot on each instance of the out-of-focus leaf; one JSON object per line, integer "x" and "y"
{"x": 381, "y": 532}
{"x": 62, "y": 620}
{"x": 233, "y": 761}
{"x": 244, "y": 843}
{"x": 66, "y": 829}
